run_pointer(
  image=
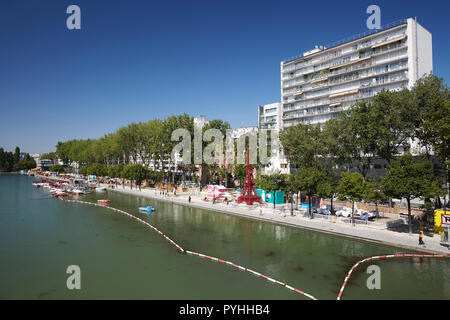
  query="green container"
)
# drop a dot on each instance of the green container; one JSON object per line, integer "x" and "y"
{"x": 269, "y": 197}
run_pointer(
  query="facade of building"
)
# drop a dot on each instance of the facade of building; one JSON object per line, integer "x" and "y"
{"x": 327, "y": 80}
{"x": 270, "y": 118}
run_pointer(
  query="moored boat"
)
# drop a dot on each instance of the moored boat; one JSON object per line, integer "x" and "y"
{"x": 146, "y": 209}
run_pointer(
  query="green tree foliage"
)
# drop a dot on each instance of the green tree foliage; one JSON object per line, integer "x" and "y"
{"x": 353, "y": 188}
{"x": 10, "y": 161}
{"x": 50, "y": 156}
{"x": 16, "y": 156}
{"x": 97, "y": 169}
{"x": 136, "y": 172}
{"x": 410, "y": 178}
{"x": 56, "y": 168}
{"x": 271, "y": 183}
{"x": 115, "y": 171}
{"x": 328, "y": 186}
{"x": 302, "y": 146}
{"x": 25, "y": 164}
{"x": 309, "y": 182}
{"x": 374, "y": 193}
{"x": 240, "y": 173}
{"x": 289, "y": 187}
{"x": 431, "y": 114}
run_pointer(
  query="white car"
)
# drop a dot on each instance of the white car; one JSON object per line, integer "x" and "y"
{"x": 367, "y": 215}
{"x": 344, "y": 212}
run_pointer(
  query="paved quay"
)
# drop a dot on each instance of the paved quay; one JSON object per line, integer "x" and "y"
{"x": 360, "y": 232}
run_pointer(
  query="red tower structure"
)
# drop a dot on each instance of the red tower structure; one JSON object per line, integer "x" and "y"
{"x": 248, "y": 193}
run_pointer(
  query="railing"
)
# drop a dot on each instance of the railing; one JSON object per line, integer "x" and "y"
{"x": 354, "y": 37}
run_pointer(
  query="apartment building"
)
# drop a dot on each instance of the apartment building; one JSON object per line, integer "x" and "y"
{"x": 270, "y": 118}
{"x": 326, "y": 80}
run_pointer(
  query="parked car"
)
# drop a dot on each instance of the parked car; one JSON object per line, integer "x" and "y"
{"x": 367, "y": 215}
{"x": 344, "y": 212}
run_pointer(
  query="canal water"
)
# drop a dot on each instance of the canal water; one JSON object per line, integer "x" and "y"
{"x": 120, "y": 258}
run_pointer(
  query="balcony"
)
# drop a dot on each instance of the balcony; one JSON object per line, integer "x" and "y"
{"x": 388, "y": 40}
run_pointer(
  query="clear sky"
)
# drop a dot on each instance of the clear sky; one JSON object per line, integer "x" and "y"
{"x": 138, "y": 60}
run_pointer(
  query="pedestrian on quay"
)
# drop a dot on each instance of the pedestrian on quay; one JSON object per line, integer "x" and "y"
{"x": 421, "y": 237}
{"x": 189, "y": 199}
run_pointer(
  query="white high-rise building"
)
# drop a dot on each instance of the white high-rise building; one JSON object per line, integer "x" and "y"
{"x": 270, "y": 117}
{"x": 327, "y": 80}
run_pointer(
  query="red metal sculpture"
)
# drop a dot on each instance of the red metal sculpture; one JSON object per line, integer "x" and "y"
{"x": 248, "y": 193}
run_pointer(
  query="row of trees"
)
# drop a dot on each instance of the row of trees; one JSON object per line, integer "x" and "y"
{"x": 384, "y": 128}
{"x": 145, "y": 143}
{"x": 10, "y": 161}
{"x": 133, "y": 172}
{"x": 148, "y": 143}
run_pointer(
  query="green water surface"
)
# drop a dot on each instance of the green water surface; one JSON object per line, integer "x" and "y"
{"x": 120, "y": 258}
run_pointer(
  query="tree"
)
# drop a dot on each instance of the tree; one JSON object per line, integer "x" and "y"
{"x": 16, "y": 155}
{"x": 240, "y": 173}
{"x": 410, "y": 178}
{"x": 353, "y": 188}
{"x": 97, "y": 169}
{"x": 431, "y": 112}
{"x": 390, "y": 116}
{"x": 308, "y": 181}
{"x": 25, "y": 165}
{"x": 374, "y": 193}
{"x": 56, "y": 168}
{"x": 289, "y": 187}
{"x": 360, "y": 135}
{"x": 82, "y": 170}
{"x": 328, "y": 187}
{"x": 135, "y": 172}
{"x": 302, "y": 145}
{"x": 50, "y": 156}
{"x": 270, "y": 183}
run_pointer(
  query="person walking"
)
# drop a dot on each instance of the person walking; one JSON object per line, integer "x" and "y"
{"x": 421, "y": 237}
{"x": 189, "y": 199}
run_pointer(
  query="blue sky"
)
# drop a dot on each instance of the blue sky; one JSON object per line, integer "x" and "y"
{"x": 138, "y": 60}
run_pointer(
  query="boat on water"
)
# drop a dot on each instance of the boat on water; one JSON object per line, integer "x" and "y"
{"x": 100, "y": 189}
{"x": 103, "y": 201}
{"x": 146, "y": 209}
{"x": 77, "y": 191}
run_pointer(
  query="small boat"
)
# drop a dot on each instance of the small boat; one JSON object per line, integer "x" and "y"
{"x": 103, "y": 201}
{"x": 100, "y": 189}
{"x": 146, "y": 209}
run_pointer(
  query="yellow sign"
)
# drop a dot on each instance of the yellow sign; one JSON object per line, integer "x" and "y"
{"x": 438, "y": 227}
